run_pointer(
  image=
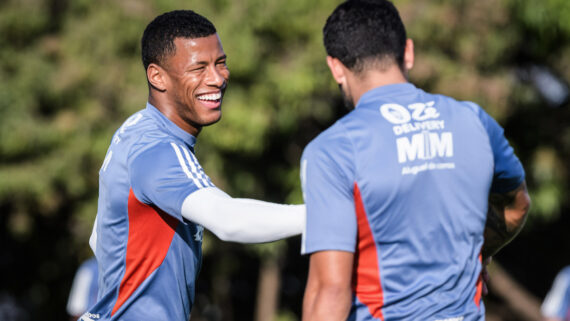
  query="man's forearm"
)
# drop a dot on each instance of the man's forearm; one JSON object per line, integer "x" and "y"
{"x": 505, "y": 219}
{"x": 309, "y": 298}
{"x": 329, "y": 305}
{"x": 243, "y": 220}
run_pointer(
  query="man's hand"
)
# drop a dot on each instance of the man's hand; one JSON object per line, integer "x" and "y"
{"x": 328, "y": 293}
{"x": 506, "y": 217}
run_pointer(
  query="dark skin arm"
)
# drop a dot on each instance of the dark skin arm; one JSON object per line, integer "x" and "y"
{"x": 505, "y": 219}
{"x": 328, "y": 293}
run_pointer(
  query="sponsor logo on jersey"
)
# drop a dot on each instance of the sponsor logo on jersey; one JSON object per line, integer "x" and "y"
{"x": 425, "y": 145}
{"x": 420, "y": 136}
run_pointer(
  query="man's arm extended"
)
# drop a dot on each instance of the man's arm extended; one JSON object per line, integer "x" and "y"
{"x": 243, "y": 220}
{"x": 505, "y": 219}
{"x": 328, "y": 293}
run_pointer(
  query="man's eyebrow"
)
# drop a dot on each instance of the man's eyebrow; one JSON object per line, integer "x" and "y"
{"x": 201, "y": 63}
{"x": 222, "y": 57}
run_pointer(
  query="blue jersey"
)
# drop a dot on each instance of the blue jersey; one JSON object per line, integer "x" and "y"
{"x": 403, "y": 182}
{"x": 557, "y": 301}
{"x": 84, "y": 290}
{"x": 149, "y": 255}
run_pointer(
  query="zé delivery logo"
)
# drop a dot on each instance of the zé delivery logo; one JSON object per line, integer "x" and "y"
{"x": 420, "y": 136}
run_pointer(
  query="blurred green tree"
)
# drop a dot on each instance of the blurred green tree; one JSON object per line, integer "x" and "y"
{"x": 71, "y": 73}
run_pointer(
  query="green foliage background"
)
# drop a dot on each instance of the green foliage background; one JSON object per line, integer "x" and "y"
{"x": 70, "y": 74}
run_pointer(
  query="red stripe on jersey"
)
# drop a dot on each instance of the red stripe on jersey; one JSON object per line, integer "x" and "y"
{"x": 366, "y": 273}
{"x": 151, "y": 231}
{"x": 479, "y": 288}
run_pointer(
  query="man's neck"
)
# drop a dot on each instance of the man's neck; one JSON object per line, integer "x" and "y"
{"x": 366, "y": 81}
{"x": 168, "y": 109}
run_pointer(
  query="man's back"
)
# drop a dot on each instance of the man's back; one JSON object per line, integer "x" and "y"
{"x": 406, "y": 177}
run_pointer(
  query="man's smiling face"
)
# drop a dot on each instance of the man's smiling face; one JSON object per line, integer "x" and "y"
{"x": 197, "y": 78}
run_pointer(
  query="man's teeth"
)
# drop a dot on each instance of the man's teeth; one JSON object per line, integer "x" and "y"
{"x": 210, "y": 96}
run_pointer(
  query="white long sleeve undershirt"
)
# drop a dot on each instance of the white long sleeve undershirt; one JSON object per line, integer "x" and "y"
{"x": 243, "y": 220}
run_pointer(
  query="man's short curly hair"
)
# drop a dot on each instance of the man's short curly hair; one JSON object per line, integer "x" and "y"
{"x": 158, "y": 38}
{"x": 360, "y": 32}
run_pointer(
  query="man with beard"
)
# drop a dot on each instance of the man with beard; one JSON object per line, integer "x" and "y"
{"x": 398, "y": 190}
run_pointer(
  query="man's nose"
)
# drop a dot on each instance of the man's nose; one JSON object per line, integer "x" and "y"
{"x": 215, "y": 77}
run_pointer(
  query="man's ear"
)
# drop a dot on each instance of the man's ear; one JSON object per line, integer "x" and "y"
{"x": 409, "y": 55}
{"x": 337, "y": 70}
{"x": 156, "y": 77}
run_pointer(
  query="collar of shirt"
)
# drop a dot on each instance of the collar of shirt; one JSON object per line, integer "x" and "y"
{"x": 386, "y": 91}
{"x": 169, "y": 125}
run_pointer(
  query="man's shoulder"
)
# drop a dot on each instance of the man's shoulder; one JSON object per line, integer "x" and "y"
{"x": 448, "y": 100}
{"x": 142, "y": 124}
{"x": 141, "y": 132}
{"x": 331, "y": 136}
{"x": 452, "y": 101}
{"x": 332, "y": 146}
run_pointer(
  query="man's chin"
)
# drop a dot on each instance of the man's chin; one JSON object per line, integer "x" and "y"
{"x": 213, "y": 120}
{"x": 204, "y": 121}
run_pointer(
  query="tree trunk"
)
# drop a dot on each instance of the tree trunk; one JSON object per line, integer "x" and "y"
{"x": 519, "y": 300}
{"x": 268, "y": 290}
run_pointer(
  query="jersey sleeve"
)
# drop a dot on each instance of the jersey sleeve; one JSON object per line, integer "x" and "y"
{"x": 508, "y": 172}
{"x": 165, "y": 174}
{"x": 327, "y": 178}
{"x": 557, "y": 301}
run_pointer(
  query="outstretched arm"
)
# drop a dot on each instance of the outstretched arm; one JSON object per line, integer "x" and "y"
{"x": 243, "y": 220}
{"x": 328, "y": 292}
{"x": 505, "y": 219}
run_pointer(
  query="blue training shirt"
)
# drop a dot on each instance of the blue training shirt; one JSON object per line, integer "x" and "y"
{"x": 149, "y": 255}
{"x": 557, "y": 301}
{"x": 84, "y": 290}
{"x": 403, "y": 182}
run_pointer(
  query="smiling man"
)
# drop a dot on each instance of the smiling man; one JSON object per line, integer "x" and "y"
{"x": 154, "y": 197}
